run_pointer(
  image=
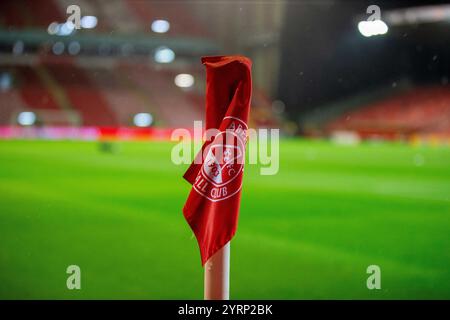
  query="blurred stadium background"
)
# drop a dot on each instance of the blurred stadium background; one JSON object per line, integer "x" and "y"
{"x": 364, "y": 160}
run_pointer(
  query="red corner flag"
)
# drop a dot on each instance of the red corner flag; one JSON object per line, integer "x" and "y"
{"x": 212, "y": 207}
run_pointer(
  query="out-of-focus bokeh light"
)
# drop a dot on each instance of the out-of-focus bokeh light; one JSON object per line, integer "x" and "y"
{"x": 160, "y": 26}
{"x": 74, "y": 48}
{"x": 18, "y": 47}
{"x": 184, "y": 80}
{"x": 164, "y": 55}
{"x": 53, "y": 28}
{"x": 65, "y": 29}
{"x": 26, "y": 118}
{"x": 143, "y": 119}
{"x": 58, "y": 48}
{"x": 5, "y": 81}
{"x": 88, "y": 22}
{"x": 372, "y": 28}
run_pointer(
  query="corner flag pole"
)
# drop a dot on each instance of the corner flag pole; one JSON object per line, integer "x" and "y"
{"x": 217, "y": 275}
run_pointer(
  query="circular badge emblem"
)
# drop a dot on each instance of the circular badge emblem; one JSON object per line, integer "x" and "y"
{"x": 221, "y": 174}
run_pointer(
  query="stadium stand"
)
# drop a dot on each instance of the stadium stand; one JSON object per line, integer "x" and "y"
{"x": 82, "y": 96}
{"x": 414, "y": 111}
{"x": 11, "y": 14}
{"x": 29, "y": 13}
{"x": 68, "y": 90}
{"x": 172, "y": 105}
{"x": 34, "y": 94}
{"x": 123, "y": 99}
{"x": 10, "y": 104}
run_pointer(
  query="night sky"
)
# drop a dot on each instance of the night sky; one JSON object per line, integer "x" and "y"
{"x": 325, "y": 58}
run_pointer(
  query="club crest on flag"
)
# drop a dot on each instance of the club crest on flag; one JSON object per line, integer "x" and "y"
{"x": 224, "y": 162}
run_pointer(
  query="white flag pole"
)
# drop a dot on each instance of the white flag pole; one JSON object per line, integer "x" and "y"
{"x": 217, "y": 275}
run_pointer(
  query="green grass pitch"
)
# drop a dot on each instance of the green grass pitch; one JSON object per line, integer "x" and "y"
{"x": 308, "y": 232}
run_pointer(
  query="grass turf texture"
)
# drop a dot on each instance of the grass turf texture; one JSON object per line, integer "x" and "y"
{"x": 308, "y": 232}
